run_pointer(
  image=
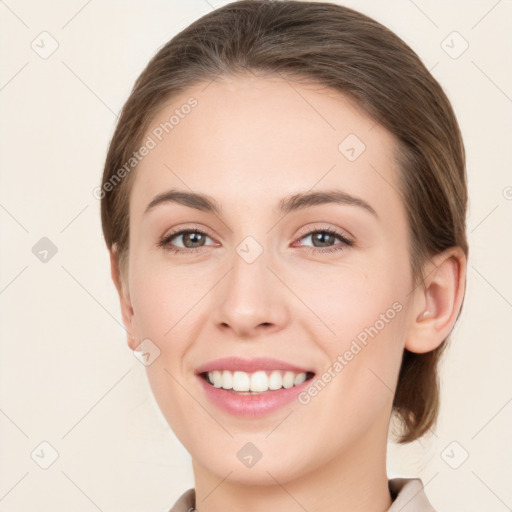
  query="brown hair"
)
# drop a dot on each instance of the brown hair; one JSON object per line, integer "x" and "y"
{"x": 338, "y": 47}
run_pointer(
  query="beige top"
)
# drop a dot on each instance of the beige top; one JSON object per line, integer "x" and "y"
{"x": 408, "y": 496}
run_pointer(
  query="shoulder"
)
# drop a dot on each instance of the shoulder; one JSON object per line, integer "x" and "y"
{"x": 408, "y": 496}
{"x": 186, "y": 502}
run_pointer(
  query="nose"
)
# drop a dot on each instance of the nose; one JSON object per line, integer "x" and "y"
{"x": 251, "y": 300}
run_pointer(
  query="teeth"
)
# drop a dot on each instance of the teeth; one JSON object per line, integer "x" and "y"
{"x": 257, "y": 382}
{"x": 227, "y": 380}
{"x": 299, "y": 379}
{"x": 241, "y": 381}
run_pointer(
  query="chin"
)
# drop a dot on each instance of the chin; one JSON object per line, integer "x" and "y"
{"x": 252, "y": 460}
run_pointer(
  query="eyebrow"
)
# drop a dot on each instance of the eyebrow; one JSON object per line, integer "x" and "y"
{"x": 291, "y": 203}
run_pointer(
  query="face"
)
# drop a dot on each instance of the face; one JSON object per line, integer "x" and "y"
{"x": 289, "y": 288}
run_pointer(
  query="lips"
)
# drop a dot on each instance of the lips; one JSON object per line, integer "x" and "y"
{"x": 250, "y": 365}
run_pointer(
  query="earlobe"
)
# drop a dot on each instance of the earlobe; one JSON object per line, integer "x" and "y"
{"x": 124, "y": 298}
{"x": 437, "y": 301}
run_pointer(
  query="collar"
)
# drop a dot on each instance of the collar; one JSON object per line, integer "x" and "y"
{"x": 408, "y": 495}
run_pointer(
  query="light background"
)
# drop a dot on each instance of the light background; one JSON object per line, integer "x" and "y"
{"x": 67, "y": 376}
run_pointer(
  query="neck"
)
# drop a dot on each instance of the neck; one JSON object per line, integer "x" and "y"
{"x": 353, "y": 481}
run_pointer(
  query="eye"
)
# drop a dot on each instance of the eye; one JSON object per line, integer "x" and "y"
{"x": 326, "y": 236}
{"x": 191, "y": 238}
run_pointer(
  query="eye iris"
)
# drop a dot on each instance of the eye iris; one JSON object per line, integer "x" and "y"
{"x": 194, "y": 235}
{"x": 320, "y": 236}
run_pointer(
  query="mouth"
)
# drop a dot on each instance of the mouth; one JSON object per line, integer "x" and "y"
{"x": 252, "y": 388}
{"x": 255, "y": 383}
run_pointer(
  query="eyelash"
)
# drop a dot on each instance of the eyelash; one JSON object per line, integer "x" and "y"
{"x": 166, "y": 241}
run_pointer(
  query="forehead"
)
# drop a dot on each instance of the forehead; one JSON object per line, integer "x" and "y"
{"x": 256, "y": 139}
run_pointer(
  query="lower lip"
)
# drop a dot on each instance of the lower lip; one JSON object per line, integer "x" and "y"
{"x": 251, "y": 405}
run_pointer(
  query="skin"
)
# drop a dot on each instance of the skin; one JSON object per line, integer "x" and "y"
{"x": 250, "y": 142}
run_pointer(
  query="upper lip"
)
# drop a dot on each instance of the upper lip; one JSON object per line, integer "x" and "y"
{"x": 249, "y": 365}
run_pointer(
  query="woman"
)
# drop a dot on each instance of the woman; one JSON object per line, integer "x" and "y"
{"x": 284, "y": 201}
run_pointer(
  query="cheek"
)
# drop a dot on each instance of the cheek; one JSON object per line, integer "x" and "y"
{"x": 363, "y": 321}
{"x": 347, "y": 300}
{"x": 160, "y": 309}
{"x": 363, "y": 351}
{"x": 160, "y": 297}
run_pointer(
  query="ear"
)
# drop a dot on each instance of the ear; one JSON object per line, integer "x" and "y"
{"x": 124, "y": 297}
{"x": 437, "y": 301}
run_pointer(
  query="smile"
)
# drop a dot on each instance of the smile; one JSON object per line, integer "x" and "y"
{"x": 259, "y": 381}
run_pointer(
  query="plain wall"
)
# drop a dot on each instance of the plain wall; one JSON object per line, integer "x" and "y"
{"x": 67, "y": 376}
